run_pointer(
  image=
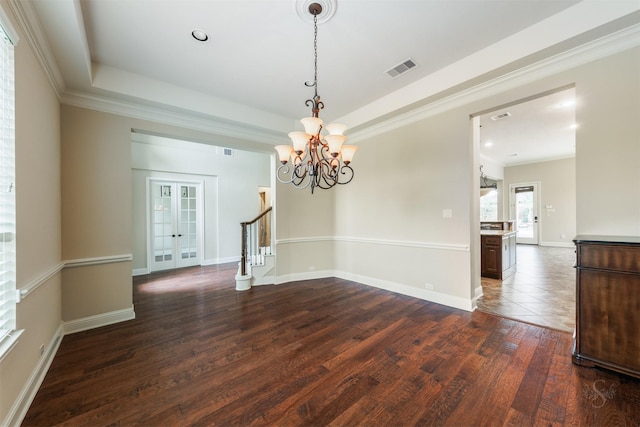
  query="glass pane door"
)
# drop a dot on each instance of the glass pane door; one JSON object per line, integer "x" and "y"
{"x": 188, "y": 233}
{"x": 162, "y": 226}
{"x": 526, "y": 215}
{"x": 174, "y": 225}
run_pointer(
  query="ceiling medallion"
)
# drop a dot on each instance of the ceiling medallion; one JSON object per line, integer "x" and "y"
{"x": 327, "y": 7}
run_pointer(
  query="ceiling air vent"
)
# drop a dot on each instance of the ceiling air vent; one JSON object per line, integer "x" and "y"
{"x": 500, "y": 116}
{"x": 401, "y": 68}
{"x": 227, "y": 152}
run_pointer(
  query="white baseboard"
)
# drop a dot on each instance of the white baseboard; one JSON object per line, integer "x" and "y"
{"x": 295, "y": 277}
{"x": 424, "y": 294}
{"x": 216, "y": 261}
{"x": 478, "y": 293}
{"x": 558, "y": 244}
{"x": 99, "y": 320}
{"x": 21, "y": 405}
{"x": 213, "y": 261}
{"x": 399, "y": 288}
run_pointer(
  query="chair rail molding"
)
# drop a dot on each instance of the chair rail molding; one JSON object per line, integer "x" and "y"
{"x": 32, "y": 285}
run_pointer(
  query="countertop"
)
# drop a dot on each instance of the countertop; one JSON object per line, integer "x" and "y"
{"x": 496, "y": 232}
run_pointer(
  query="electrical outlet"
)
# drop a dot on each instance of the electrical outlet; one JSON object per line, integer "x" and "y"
{"x": 428, "y": 286}
{"x": 312, "y": 268}
{"x": 41, "y": 349}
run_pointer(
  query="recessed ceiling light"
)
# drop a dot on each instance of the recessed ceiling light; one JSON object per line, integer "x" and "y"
{"x": 574, "y": 126}
{"x": 567, "y": 104}
{"x": 488, "y": 144}
{"x": 200, "y": 35}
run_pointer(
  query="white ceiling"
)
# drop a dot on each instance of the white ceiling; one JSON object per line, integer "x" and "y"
{"x": 530, "y": 131}
{"x": 252, "y": 70}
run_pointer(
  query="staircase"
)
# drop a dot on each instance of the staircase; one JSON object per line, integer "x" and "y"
{"x": 257, "y": 261}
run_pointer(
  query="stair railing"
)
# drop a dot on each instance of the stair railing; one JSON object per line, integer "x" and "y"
{"x": 255, "y": 234}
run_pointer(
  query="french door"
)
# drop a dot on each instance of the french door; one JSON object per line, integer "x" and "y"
{"x": 175, "y": 229}
{"x": 524, "y": 210}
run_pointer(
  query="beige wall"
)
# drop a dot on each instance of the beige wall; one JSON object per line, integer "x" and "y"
{"x": 38, "y": 234}
{"x": 96, "y": 211}
{"x": 390, "y": 218}
{"x": 608, "y": 146}
{"x": 557, "y": 189}
{"x": 304, "y": 230}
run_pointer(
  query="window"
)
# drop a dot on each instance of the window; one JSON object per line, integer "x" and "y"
{"x": 7, "y": 190}
{"x": 489, "y": 206}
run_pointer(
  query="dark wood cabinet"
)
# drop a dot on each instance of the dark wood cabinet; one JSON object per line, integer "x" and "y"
{"x": 608, "y": 303}
{"x": 491, "y": 256}
{"x": 497, "y": 254}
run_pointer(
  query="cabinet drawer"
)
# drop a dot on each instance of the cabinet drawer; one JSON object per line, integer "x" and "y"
{"x": 610, "y": 257}
{"x": 492, "y": 240}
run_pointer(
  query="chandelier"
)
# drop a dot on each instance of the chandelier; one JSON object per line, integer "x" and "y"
{"x": 315, "y": 160}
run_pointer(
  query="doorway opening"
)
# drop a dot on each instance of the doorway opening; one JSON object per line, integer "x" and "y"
{"x": 528, "y": 148}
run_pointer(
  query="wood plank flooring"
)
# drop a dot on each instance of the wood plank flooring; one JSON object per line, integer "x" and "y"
{"x": 319, "y": 353}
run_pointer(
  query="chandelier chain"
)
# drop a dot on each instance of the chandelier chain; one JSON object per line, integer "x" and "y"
{"x": 315, "y": 52}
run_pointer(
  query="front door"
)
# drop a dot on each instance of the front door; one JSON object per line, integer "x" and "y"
{"x": 524, "y": 210}
{"x": 175, "y": 225}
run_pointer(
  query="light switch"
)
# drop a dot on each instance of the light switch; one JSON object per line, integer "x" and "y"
{"x": 447, "y": 213}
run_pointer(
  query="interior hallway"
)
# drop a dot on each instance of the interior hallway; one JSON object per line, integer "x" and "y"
{"x": 541, "y": 292}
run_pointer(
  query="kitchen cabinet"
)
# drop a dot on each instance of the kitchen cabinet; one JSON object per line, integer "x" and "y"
{"x": 497, "y": 253}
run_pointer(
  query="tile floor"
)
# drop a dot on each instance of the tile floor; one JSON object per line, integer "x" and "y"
{"x": 541, "y": 292}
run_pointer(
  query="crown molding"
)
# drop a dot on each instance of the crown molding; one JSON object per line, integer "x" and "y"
{"x": 30, "y": 25}
{"x": 589, "y": 52}
{"x": 167, "y": 116}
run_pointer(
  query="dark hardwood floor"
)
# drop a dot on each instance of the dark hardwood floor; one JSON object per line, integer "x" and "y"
{"x": 320, "y": 352}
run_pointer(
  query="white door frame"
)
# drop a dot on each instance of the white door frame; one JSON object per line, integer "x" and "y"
{"x": 537, "y": 229}
{"x": 199, "y": 215}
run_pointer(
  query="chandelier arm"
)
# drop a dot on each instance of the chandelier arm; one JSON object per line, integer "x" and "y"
{"x": 282, "y": 171}
{"x": 350, "y": 174}
{"x": 328, "y": 174}
{"x": 298, "y": 174}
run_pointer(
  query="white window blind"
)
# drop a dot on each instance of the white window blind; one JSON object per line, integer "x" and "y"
{"x": 7, "y": 189}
